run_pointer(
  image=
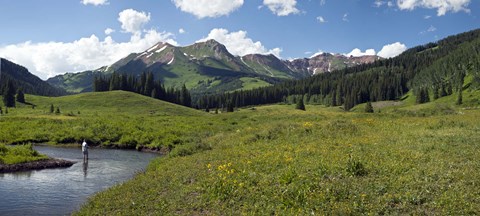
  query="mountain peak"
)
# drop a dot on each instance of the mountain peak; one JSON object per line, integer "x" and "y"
{"x": 210, "y": 44}
{"x": 322, "y": 55}
{"x": 158, "y": 46}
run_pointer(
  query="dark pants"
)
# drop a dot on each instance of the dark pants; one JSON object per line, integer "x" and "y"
{"x": 85, "y": 155}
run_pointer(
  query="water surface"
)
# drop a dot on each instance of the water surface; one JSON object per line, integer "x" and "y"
{"x": 63, "y": 190}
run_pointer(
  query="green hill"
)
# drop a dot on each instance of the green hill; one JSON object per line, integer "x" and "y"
{"x": 118, "y": 102}
{"x": 104, "y": 118}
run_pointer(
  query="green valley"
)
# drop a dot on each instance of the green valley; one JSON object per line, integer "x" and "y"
{"x": 272, "y": 159}
{"x": 234, "y": 107}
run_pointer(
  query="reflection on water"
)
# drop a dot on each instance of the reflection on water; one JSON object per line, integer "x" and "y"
{"x": 61, "y": 191}
{"x": 85, "y": 168}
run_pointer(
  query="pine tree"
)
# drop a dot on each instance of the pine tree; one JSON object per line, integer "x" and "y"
{"x": 463, "y": 72}
{"x": 149, "y": 84}
{"x": 230, "y": 107}
{"x": 459, "y": 98}
{"x": 426, "y": 95}
{"x": 435, "y": 92}
{"x": 154, "y": 94}
{"x": 300, "y": 105}
{"x": 369, "y": 107}
{"x": 9, "y": 94}
{"x": 57, "y": 111}
{"x": 20, "y": 96}
{"x": 185, "y": 98}
{"x": 422, "y": 95}
{"x": 1, "y": 111}
{"x": 51, "y": 108}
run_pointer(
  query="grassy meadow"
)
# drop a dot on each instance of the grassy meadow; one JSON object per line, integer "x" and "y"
{"x": 19, "y": 154}
{"x": 273, "y": 160}
{"x": 115, "y": 119}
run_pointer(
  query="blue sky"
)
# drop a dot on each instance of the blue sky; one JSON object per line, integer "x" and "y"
{"x": 52, "y": 37}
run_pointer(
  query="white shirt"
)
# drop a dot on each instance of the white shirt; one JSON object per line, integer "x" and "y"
{"x": 84, "y": 146}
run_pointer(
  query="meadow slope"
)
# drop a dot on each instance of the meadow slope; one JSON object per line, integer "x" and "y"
{"x": 116, "y": 119}
{"x": 407, "y": 159}
{"x": 403, "y": 159}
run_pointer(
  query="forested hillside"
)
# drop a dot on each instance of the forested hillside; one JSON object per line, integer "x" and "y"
{"x": 145, "y": 85}
{"x": 431, "y": 70}
{"x": 20, "y": 78}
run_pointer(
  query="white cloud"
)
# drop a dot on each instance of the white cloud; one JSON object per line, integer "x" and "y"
{"x": 378, "y": 3}
{"x": 181, "y": 31}
{"x": 208, "y": 8}
{"x": 47, "y": 59}
{"x": 109, "y": 31}
{"x": 319, "y": 52}
{"x": 392, "y": 50}
{"x": 282, "y": 7}
{"x": 95, "y": 2}
{"x": 345, "y": 17}
{"x": 388, "y": 51}
{"x": 430, "y": 29}
{"x": 357, "y": 52}
{"x": 132, "y": 20}
{"x": 322, "y": 2}
{"x": 427, "y": 17}
{"x": 442, "y": 6}
{"x": 321, "y": 19}
{"x": 238, "y": 43}
{"x": 52, "y": 58}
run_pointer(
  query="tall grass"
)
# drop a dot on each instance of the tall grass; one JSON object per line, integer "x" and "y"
{"x": 280, "y": 161}
{"x": 19, "y": 154}
{"x": 272, "y": 160}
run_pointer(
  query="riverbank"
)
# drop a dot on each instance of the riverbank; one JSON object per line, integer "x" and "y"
{"x": 62, "y": 191}
{"x": 36, "y": 165}
{"x": 146, "y": 149}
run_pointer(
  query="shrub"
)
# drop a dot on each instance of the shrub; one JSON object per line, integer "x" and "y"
{"x": 189, "y": 149}
{"x": 300, "y": 105}
{"x": 369, "y": 107}
{"x": 3, "y": 149}
{"x": 355, "y": 167}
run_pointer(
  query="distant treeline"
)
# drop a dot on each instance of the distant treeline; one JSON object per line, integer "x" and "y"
{"x": 145, "y": 85}
{"x": 435, "y": 68}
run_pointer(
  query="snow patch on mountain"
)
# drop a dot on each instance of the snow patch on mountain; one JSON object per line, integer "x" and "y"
{"x": 153, "y": 48}
{"x": 171, "y": 61}
{"x": 161, "y": 49}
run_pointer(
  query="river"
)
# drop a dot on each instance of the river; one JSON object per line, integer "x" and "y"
{"x": 62, "y": 191}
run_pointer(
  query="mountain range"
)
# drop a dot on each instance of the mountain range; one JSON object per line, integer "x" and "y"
{"x": 208, "y": 67}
